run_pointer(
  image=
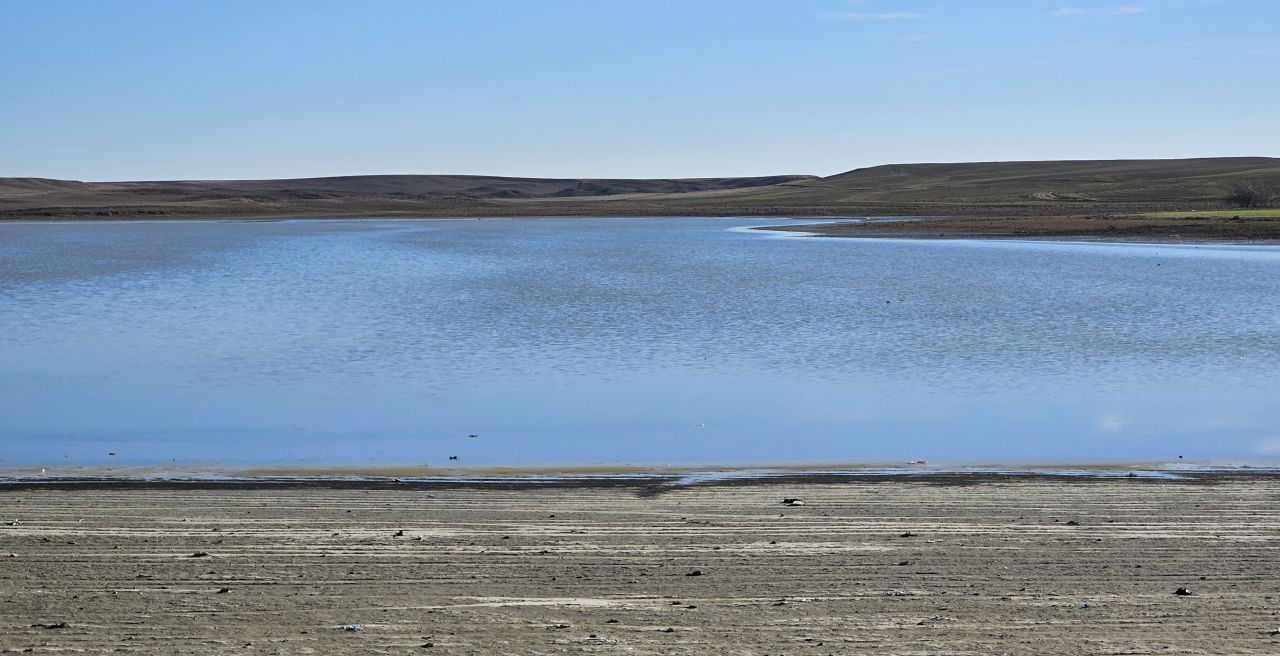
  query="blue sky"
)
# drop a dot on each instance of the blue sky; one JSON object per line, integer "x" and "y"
{"x": 140, "y": 89}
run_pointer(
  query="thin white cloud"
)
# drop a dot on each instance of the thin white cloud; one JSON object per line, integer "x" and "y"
{"x": 884, "y": 15}
{"x": 1119, "y": 10}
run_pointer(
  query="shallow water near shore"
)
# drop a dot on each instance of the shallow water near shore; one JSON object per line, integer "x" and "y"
{"x": 648, "y": 341}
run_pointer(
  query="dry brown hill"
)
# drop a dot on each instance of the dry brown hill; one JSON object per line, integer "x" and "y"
{"x": 978, "y": 188}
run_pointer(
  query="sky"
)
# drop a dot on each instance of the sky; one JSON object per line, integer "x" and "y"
{"x": 228, "y": 89}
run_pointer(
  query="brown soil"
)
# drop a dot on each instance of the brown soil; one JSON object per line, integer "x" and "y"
{"x": 1029, "y": 565}
{"x": 1058, "y": 227}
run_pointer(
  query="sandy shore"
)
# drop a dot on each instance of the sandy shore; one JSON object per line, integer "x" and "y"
{"x": 979, "y": 565}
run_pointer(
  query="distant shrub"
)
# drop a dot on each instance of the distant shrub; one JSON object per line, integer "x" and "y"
{"x": 1253, "y": 194}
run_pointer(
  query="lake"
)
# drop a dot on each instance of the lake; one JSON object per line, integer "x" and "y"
{"x": 648, "y": 341}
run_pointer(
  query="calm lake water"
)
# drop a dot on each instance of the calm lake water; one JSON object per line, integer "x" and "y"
{"x": 635, "y": 341}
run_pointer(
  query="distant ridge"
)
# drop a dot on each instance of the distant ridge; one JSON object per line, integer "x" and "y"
{"x": 973, "y": 188}
{"x": 1159, "y": 180}
{"x": 473, "y": 186}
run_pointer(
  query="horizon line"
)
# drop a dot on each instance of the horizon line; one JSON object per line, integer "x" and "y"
{"x": 697, "y": 177}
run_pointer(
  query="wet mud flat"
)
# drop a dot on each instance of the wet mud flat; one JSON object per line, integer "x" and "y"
{"x": 989, "y": 564}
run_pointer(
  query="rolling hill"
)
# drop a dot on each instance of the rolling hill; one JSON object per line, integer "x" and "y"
{"x": 979, "y": 188}
{"x": 1123, "y": 181}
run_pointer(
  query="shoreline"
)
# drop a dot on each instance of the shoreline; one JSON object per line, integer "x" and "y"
{"x": 1118, "y": 228}
{"x": 630, "y": 478}
{"x": 1103, "y": 229}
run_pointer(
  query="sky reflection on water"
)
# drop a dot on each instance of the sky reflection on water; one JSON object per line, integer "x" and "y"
{"x": 638, "y": 341}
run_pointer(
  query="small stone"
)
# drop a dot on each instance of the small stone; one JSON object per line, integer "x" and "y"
{"x": 696, "y": 572}
{"x": 1182, "y": 592}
